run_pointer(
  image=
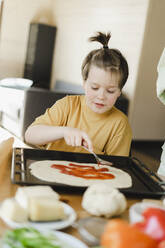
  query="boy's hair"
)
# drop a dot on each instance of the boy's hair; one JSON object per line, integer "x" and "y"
{"x": 106, "y": 58}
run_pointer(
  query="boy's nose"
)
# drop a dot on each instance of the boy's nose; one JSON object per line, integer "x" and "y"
{"x": 101, "y": 94}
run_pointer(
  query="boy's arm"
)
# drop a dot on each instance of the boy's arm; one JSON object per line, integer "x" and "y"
{"x": 44, "y": 134}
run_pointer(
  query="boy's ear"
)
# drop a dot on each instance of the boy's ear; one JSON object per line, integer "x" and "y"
{"x": 119, "y": 93}
{"x": 84, "y": 82}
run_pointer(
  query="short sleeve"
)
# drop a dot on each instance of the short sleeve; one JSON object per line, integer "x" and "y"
{"x": 120, "y": 144}
{"x": 56, "y": 115}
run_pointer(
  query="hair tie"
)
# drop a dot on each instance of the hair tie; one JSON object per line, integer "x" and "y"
{"x": 105, "y": 47}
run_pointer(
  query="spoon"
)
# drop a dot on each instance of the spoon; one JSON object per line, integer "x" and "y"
{"x": 100, "y": 161}
{"x": 91, "y": 229}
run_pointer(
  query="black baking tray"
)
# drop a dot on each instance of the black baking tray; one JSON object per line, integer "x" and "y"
{"x": 145, "y": 182}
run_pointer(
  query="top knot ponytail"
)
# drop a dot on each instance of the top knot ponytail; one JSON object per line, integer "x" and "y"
{"x": 102, "y": 38}
{"x": 106, "y": 58}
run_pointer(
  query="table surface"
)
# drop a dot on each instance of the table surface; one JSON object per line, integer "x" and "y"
{"x": 7, "y": 189}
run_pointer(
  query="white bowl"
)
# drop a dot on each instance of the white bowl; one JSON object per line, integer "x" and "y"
{"x": 136, "y": 210}
{"x": 18, "y": 83}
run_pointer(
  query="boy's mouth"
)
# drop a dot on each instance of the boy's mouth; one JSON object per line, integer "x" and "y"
{"x": 99, "y": 105}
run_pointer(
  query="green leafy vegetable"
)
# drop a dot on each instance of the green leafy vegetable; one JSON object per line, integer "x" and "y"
{"x": 28, "y": 237}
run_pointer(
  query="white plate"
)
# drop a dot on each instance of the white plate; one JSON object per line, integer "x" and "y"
{"x": 68, "y": 241}
{"x": 56, "y": 225}
{"x": 136, "y": 210}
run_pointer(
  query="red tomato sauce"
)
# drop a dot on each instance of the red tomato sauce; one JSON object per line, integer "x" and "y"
{"x": 84, "y": 171}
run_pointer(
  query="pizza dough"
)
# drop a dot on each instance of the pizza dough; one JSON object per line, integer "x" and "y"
{"x": 44, "y": 171}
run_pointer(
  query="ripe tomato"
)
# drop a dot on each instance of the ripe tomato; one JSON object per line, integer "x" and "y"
{"x": 120, "y": 234}
{"x": 153, "y": 224}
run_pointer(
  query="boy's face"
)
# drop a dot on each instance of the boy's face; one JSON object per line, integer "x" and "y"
{"x": 101, "y": 89}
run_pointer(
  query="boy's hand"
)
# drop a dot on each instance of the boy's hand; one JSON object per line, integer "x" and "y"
{"x": 76, "y": 137}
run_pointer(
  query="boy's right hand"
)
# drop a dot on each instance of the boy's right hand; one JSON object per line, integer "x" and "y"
{"x": 76, "y": 137}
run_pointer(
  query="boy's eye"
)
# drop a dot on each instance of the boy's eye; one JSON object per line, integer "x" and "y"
{"x": 94, "y": 88}
{"x": 111, "y": 91}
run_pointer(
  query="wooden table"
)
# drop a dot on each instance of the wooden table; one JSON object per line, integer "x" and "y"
{"x": 7, "y": 189}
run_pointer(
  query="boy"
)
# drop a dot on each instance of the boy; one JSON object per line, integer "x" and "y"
{"x": 90, "y": 120}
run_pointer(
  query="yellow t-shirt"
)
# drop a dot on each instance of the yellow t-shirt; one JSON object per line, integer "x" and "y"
{"x": 110, "y": 132}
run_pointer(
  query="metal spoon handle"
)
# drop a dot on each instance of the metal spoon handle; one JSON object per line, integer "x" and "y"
{"x": 99, "y": 160}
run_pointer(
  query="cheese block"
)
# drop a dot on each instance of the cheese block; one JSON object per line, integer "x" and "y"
{"x": 45, "y": 208}
{"x": 24, "y": 193}
{"x": 11, "y": 209}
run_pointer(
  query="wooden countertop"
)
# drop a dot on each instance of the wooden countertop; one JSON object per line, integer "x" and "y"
{"x": 7, "y": 189}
